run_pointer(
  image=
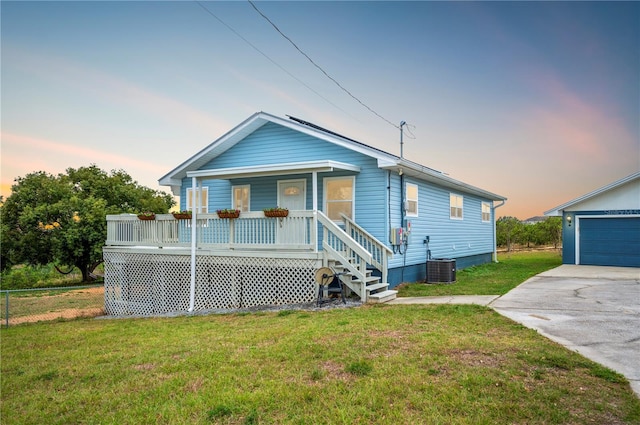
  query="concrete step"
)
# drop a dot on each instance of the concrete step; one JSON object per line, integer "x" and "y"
{"x": 382, "y": 297}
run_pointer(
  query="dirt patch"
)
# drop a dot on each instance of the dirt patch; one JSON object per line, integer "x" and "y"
{"x": 71, "y": 313}
{"x": 56, "y": 311}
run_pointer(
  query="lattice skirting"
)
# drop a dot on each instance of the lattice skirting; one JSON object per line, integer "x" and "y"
{"x": 152, "y": 284}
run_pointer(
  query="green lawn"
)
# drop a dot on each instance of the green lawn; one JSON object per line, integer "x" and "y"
{"x": 382, "y": 364}
{"x": 489, "y": 279}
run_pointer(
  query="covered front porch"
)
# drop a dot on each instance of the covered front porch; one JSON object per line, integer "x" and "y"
{"x": 209, "y": 263}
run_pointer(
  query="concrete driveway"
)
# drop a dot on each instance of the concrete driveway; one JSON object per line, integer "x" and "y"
{"x": 592, "y": 310}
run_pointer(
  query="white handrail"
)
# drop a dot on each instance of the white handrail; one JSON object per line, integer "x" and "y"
{"x": 379, "y": 251}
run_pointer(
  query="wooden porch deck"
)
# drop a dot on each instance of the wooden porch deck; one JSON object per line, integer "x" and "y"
{"x": 149, "y": 263}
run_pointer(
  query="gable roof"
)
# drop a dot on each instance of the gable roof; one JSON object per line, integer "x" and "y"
{"x": 560, "y": 208}
{"x": 191, "y": 167}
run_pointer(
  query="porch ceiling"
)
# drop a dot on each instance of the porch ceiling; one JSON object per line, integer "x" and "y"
{"x": 273, "y": 170}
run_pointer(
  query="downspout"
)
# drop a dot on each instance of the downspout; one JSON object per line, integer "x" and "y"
{"x": 194, "y": 235}
{"x": 495, "y": 242}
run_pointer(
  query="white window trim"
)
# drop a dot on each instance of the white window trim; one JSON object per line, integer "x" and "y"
{"x": 406, "y": 193}
{"x": 204, "y": 207}
{"x": 233, "y": 198}
{"x": 488, "y": 205}
{"x": 353, "y": 195}
{"x": 461, "y": 207}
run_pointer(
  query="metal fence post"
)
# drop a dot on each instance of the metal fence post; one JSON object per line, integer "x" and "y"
{"x": 7, "y": 308}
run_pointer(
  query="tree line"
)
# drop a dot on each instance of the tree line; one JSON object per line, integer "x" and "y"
{"x": 510, "y": 231}
{"x": 60, "y": 219}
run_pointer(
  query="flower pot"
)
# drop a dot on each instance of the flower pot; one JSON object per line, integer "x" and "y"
{"x": 278, "y": 213}
{"x": 146, "y": 217}
{"x": 228, "y": 214}
{"x": 179, "y": 216}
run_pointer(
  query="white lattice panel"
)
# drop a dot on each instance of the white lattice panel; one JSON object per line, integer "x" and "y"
{"x": 150, "y": 284}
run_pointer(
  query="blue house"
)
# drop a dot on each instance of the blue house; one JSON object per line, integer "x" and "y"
{"x": 372, "y": 216}
{"x": 602, "y": 227}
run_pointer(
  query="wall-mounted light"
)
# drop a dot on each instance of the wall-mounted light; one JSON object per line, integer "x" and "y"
{"x": 569, "y": 220}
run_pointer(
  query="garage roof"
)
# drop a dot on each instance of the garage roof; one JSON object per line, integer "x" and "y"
{"x": 598, "y": 192}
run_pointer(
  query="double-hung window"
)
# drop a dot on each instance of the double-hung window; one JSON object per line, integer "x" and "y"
{"x": 411, "y": 194}
{"x": 339, "y": 195}
{"x": 456, "y": 203}
{"x": 201, "y": 199}
{"x": 486, "y": 212}
{"x": 241, "y": 197}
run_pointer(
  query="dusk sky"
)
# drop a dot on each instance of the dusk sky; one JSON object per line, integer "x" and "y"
{"x": 535, "y": 101}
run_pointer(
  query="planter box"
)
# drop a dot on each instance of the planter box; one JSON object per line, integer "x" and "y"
{"x": 146, "y": 217}
{"x": 228, "y": 215}
{"x": 284, "y": 213}
{"x": 179, "y": 216}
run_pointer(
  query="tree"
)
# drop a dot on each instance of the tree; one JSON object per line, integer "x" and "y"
{"x": 551, "y": 229}
{"x": 62, "y": 219}
{"x": 508, "y": 230}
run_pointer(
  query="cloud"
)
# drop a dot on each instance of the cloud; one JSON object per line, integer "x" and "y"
{"x": 17, "y": 142}
{"x": 107, "y": 86}
{"x": 563, "y": 121}
{"x": 23, "y": 154}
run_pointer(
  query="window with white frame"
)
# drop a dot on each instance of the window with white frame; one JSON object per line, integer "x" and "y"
{"x": 411, "y": 195}
{"x": 339, "y": 195}
{"x": 486, "y": 212}
{"x": 456, "y": 203}
{"x": 241, "y": 197}
{"x": 201, "y": 199}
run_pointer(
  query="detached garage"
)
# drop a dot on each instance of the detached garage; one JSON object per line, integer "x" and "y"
{"x": 602, "y": 228}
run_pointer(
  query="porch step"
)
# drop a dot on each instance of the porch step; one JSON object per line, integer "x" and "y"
{"x": 367, "y": 280}
{"x": 375, "y": 287}
{"x": 382, "y": 297}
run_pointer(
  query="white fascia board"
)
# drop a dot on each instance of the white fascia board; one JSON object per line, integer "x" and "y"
{"x": 336, "y": 140}
{"x": 560, "y": 208}
{"x": 433, "y": 176}
{"x": 247, "y": 127}
{"x": 215, "y": 148}
{"x": 273, "y": 169}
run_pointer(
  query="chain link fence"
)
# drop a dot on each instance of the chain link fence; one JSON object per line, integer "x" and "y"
{"x": 45, "y": 304}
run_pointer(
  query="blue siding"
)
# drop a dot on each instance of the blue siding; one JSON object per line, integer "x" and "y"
{"x": 275, "y": 144}
{"x": 377, "y": 202}
{"x": 448, "y": 238}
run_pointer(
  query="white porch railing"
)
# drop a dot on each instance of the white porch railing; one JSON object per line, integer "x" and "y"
{"x": 380, "y": 253}
{"x": 251, "y": 230}
{"x": 338, "y": 245}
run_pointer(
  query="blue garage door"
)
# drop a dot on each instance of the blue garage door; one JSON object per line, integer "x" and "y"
{"x": 610, "y": 241}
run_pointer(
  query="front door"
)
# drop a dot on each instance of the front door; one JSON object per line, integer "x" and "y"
{"x": 292, "y": 195}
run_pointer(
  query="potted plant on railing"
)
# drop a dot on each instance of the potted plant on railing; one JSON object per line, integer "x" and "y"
{"x": 147, "y": 215}
{"x": 228, "y": 213}
{"x": 275, "y": 212}
{"x": 182, "y": 215}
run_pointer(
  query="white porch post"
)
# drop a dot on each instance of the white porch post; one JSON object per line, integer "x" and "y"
{"x": 314, "y": 184}
{"x": 195, "y": 204}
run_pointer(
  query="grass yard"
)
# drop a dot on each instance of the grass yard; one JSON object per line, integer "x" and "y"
{"x": 489, "y": 279}
{"x": 430, "y": 364}
{"x": 383, "y": 364}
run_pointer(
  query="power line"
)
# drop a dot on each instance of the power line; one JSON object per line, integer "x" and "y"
{"x": 266, "y": 56}
{"x": 319, "y": 67}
